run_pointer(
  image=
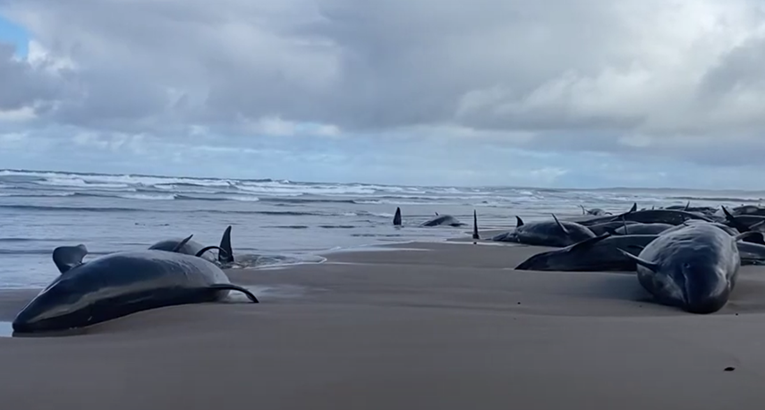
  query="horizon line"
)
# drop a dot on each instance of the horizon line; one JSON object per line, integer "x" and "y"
{"x": 614, "y": 188}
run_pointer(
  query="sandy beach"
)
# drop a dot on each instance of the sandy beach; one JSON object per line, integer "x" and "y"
{"x": 443, "y": 325}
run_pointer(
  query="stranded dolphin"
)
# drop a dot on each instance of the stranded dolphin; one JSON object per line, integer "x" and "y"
{"x": 189, "y": 247}
{"x": 694, "y": 268}
{"x": 546, "y": 233}
{"x": 601, "y": 253}
{"x": 119, "y": 284}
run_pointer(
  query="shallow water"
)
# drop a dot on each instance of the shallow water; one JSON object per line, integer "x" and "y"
{"x": 274, "y": 222}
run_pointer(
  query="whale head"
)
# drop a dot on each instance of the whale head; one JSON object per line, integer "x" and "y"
{"x": 705, "y": 287}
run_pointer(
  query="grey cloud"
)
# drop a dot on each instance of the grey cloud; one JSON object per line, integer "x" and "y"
{"x": 580, "y": 75}
{"x": 22, "y": 85}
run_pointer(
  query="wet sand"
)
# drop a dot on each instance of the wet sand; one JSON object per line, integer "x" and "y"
{"x": 436, "y": 326}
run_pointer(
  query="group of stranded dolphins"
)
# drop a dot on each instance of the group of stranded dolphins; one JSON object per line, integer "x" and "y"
{"x": 684, "y": 257}
{"x": 169, "y": 272}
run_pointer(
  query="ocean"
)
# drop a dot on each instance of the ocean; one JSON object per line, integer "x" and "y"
{"x": 281, "y": 221}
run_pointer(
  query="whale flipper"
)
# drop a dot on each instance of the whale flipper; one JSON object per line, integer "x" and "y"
{"x": 560, "y": 225}
{"x": 227, "y": 256}
{"x": 231, "y": 286}
{"x": 397, "y": 217}
{"x": 650, "y": 265}
{"x": 221, "y": 251}
{"x": 67, "y": 257}
{"x": 588, "y": 242}
{"x": 754, "y": 237}
{"x": 182, "y": 243}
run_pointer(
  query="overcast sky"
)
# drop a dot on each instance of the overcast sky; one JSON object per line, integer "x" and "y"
{"x": 559, "y": 93}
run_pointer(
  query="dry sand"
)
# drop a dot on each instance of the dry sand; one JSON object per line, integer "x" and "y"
{"x": 437, "y": 326}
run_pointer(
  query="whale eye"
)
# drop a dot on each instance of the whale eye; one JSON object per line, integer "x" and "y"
{"x": 686, "y": 265}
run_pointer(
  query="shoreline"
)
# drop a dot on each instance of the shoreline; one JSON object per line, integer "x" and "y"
{"x": 444, "y": 326}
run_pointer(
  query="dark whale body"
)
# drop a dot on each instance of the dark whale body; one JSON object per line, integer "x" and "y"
{"x": 694, "y": 268}
{"x": 554, "y": 233}
{"x": 601, "y": 253}
{"x": 443, "y": 220}
{"x": 119, "y": 284}
{"x": 191, "y": 247}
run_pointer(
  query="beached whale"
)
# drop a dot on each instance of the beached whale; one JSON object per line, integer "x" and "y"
{"x": 642, "y": 229}
{"x": 593, "y": 211}
{"x": 443, "y": 220}
{"x": 119, "y": 284}
{"x": 694, "y": 268}
{"x": 589, "y": 220}
{"x": 744, "y": 222}
{"x": 608, "y": 227}
{"x": 601, "y": 253}
{"x": 190, "y": 247}
{"x": 665, "y": 216}
{"x": 438, "y": 220}
{"x": 546, "y": 233}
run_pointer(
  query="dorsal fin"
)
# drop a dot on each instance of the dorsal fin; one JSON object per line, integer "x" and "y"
{"x": 642, "y": 262}
{"x": 633, "y": 209}
{"x": 227, "y": 256}
{"x": 182, "y": 243}
{"x": 475, "y": 225}
{"x": 67, "y": 257}
{"x": 397, "y": 217}
{"x": 563, "y": 228}
{"x": 735, "y": 221}
{"x": 588, "y": 242}
{"x": 436, "y": 213}
{"x": 687, "y": 206}
{"x": 518, "y": 221}
{"x": 583, "y": 210}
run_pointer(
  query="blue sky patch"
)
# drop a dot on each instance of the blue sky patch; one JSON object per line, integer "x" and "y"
{"x": 14, "y": 34}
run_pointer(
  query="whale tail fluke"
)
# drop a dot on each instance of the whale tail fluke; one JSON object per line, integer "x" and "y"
{"x": 397, "y": 217}
{"x": 475, "y": 226}
{"x": 67, "y": 257}
{"x": 225, "y": 252}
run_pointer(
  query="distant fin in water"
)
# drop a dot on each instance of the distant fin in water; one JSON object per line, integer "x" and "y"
{"x": 182, "y": 243}
{"x": 397, "y": 217}
{"x": 67, "y": 257}
{"x": 475, "y": 225}
{"x": 227, "y": 256}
